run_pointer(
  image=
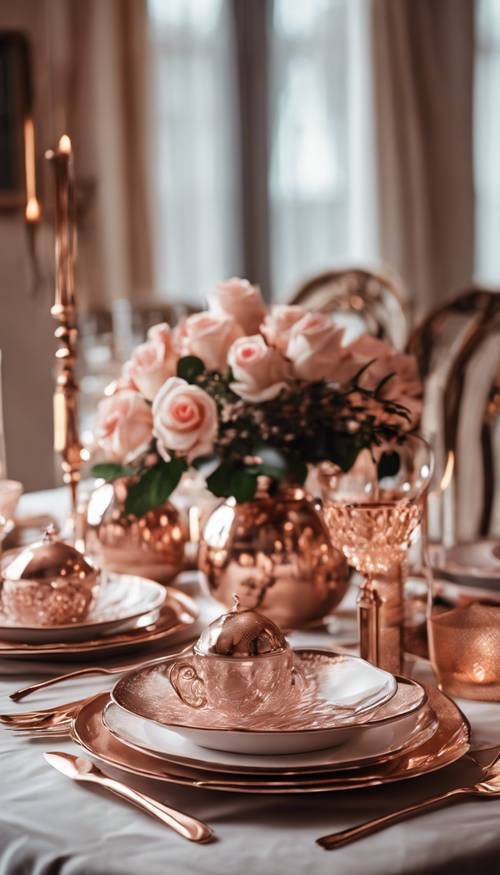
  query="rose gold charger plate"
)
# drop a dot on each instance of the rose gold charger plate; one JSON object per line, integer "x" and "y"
{"x": 449, "y": 743}
{"x": 177, "y": 613}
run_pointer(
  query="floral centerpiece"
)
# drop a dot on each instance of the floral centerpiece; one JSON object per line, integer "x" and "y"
{"x": 254, "y": 391}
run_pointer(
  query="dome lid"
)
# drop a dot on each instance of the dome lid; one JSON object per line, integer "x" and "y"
{"x": 48, "y": 559}
{"x": 241, "y": 633}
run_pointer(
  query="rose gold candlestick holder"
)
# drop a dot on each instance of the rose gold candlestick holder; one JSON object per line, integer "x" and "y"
{"x": 66, "y": 435}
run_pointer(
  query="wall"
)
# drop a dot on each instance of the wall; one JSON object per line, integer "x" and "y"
{"x": 26, "y": 329}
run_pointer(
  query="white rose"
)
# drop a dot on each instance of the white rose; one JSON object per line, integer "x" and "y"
{"x": 238, "y": 298}
{"x": 184, "y": 420}
{"x": 124, "y": 426}
{"x": 315, "y": 348}
{"x": 278, "y": 324}
{"x": 209, "y": 337}
{"x": 153, "y": 362}
{"x": 260, "y": 371}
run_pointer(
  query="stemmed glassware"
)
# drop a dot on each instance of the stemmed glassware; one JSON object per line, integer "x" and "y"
{"x": 372, "y": 512}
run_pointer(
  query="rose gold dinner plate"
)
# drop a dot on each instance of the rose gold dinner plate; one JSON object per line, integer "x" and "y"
{"x": 177, "y": 613}
{"x": 449, "y": 743}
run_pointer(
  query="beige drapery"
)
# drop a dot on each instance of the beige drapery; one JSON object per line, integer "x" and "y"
{"x": 101, "y": 93}
{"x": 423, "y": 57}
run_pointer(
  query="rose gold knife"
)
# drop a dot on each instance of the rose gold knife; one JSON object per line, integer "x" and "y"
{"x": 80, "y": 769}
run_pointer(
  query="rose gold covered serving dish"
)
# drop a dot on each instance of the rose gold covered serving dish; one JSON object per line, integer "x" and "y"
{"x": 49, "y": 583}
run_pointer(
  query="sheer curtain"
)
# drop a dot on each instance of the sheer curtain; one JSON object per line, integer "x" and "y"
{"x": 321, "y": 177}
{"x": 487, "y": 141}
{"x": 195, "y": 163}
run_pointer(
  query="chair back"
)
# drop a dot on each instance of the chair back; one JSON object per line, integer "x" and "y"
{"x": 362, "y": 300}
{"x": 458, "y": 349}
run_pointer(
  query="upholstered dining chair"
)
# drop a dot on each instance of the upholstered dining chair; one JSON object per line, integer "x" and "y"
{"x": 362, "y": 300}
{"x": 458, "y": 349}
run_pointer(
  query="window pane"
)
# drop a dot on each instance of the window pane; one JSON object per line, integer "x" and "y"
{"x": 196, "y": 183}
{"x": 486, "y": 141}
{"x": 321, "y": 137}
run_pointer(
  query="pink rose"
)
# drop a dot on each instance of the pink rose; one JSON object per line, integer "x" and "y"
{"x": 315, "y": 348}
{"x": 209, "y": 337}
{"x": 185, "y": 420}
{"x": 124, "y": 426}
{"x": 124, "y": 381}
{"x": 260, "y": 371}
{"x": 153, "y": 362}
{"x": 161, "y": 333}
{"x": 278, "y": 324}
{"x": 404, "y": 387}
{"x": 239, "y": 299}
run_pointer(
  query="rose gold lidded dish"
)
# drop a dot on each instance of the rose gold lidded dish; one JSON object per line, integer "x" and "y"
{"x": 49, "y": 583}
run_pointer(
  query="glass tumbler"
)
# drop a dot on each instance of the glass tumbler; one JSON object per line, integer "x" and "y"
{"x": 463, "y": 628}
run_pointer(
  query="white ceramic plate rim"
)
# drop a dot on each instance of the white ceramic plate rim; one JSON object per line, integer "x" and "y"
{"x": 342, "y": 727}
{"x": 345, "y": 758}
{"x": 114, "y": 644}
{"x": 451, "y": 566}
{"x": 157, "y": 595}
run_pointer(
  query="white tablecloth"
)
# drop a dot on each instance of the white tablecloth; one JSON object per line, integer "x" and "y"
{"x": 51, "y": 826}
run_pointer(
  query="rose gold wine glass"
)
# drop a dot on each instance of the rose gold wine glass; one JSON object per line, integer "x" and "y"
{"x": 372, "y": 512}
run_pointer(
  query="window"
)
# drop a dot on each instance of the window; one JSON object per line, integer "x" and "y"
{"x": 321, "y": 178}
{"x": 320, "y": 174}
{"x": 486, "y": 140}
{"x": 194, "y": 152}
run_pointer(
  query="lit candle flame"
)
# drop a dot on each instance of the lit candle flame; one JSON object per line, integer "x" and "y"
{"x": 65, "y": 145}
{"x": 32, "y": 212}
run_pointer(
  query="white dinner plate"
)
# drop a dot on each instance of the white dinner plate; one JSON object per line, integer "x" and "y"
{"x": 380, "y": 742}
{"x": 473, "y": 563}
{"x": 120, "y": 602}
{"x": 306, "y": 721}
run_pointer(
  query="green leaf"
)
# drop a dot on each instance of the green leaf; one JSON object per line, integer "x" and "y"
{"x": 243, "y": 485}
{"x": 343, "y": 450}
{"x": 110, "y": 471}
{"x": 267, "y": 471}
{"x": 380, "y": 385}
{"x": 228, "y": 481}
{"x": 189, "y": 367}
{"x": 219, "y": 482}
{"x": 298, "y": 471}
{"x": 388, "y": 465}
{"x": 154, "y": 487}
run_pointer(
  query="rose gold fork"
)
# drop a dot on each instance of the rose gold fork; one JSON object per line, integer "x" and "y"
{"x": 487, "y": 787}
{"x": 34, "y": 719}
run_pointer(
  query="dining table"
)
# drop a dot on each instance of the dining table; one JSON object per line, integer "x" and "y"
{"x": 50, "y": 825}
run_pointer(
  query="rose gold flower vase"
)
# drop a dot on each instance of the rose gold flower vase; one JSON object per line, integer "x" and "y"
{"x": 275, "y": 553}
{"x": 150, "y": 546}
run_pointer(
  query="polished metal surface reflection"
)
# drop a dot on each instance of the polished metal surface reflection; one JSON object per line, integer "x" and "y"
{"x": 449, "y": 743}
{"x": 275, "y": 553}
{"x": 487, "y": 788}
{"x": 176, "y": 615}
{"x": 49, "y": 583}
{"x": 149, "y": 546}
{"x": 80, "y": 769}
